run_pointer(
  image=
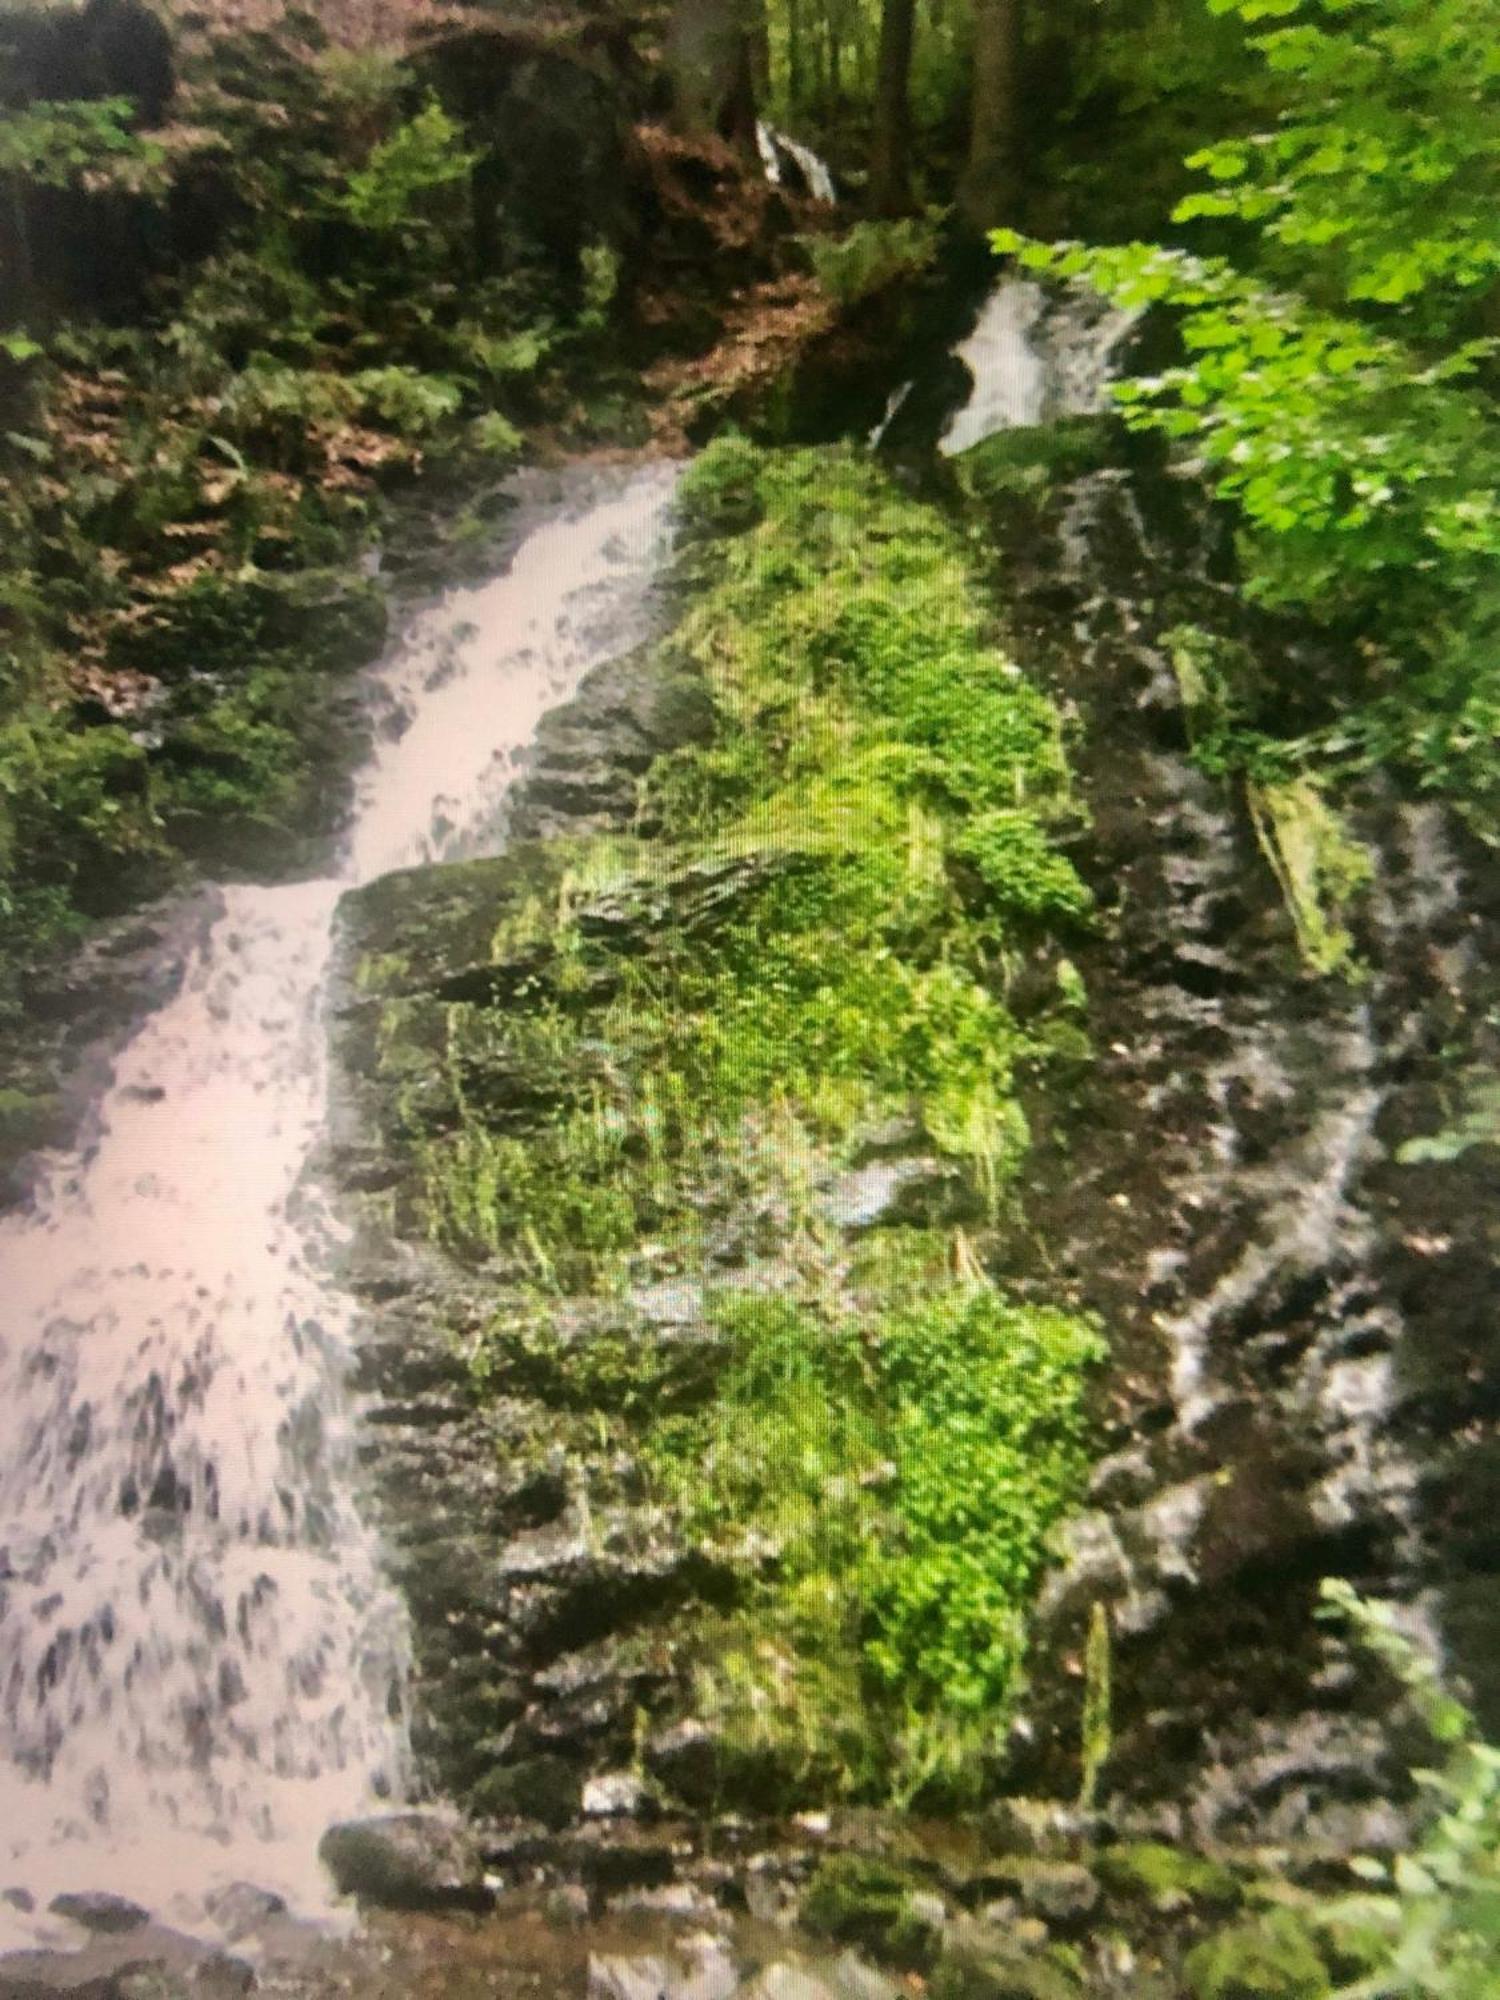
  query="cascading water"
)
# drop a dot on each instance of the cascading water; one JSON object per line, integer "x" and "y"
{"x": 201, "y": 1664}
{"x": 777, "y": 148}
{"x": 1034, "y": 355}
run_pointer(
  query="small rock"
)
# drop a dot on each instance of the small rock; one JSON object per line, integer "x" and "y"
{"x": 613, "y": 1794}
{"x": 853, "y": 1979}
{"x": 406, "y": 1861}
{"x": 686, "y": 1757}
{"x": 19, "y": 1899}
{"x": 712, "y": 1974}
{"x": 614, "y": 1978}
{"x": 241, "y": 1908}
{"x": 927, "y": 1908}
{"x": 96, "y": 1910}
{"x": 568, "y": 1904}
{"x": 789, "y": 1982}
{"x": 670, "y": 1899}
{"x": 1061, "y": 1890}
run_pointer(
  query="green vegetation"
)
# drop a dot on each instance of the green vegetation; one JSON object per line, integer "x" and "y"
{"x": 810, "y": 950}
{"x": 185, "y": 492}
{"x": 1427, "y": 1925}
{"x": 1338, "y": 375}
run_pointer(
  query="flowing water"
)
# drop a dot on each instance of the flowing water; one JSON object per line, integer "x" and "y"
{"x": 201, "y": 1664}
{"x": 777, "y": 148}
{"x": 1033, "y": 355}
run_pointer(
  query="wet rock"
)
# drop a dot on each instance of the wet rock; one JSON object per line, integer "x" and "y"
{"x": 99, "y": 1911}
{"x": 886, "y": 1193}
{"x": 861, "y": 1900}
{"x": 614, "y": 1794}
{"x": 685, "y": 1757}
{"x": 616, "y": 1978}
{"x": 218, "y": 1976}
{"x": 1004, "y": 1968}
{"x": 544, "y": 1789}
{"x": 241, "y": 1909}
{"x": 853, "y": 1979}
{"x": 783, "y": 1981}
{"x": 1061, "y": 1891}
{"x": 406, "y": 1861}
{"x": 54, "y": 1975}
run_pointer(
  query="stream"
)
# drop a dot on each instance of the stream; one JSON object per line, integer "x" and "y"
{"x": 202, "y": 1664}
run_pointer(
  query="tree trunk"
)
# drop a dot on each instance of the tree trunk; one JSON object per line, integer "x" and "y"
{"x": 710, "y": 59}
{"x": 796, "y": 54}
{"x": 989, "y": 192}
{"x": 890, "y": 190}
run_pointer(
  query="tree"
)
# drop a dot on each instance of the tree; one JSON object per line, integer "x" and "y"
{"x": 710, "y": 56}
{"x": 990, "y": 187}
{"x": 890, "y": 190}
{"x": 1338, "y": 385}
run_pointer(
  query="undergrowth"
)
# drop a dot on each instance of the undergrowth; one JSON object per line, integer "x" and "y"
{"x": 188, "y": 483}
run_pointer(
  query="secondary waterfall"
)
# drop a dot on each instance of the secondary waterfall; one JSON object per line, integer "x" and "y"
{"x": 1035, "y": 355}
{"x": 201, "y": 1664}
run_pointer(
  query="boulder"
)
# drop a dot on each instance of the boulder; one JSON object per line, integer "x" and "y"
{"x": 96, "y": 1910}
{"x": 414, "y": 1860}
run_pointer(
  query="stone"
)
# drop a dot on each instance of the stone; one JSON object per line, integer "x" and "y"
{"x": 685, "y": 1756}
{"x": 612, "y": 1977}
{"x": 422, "y": 1859}
{"x": 614, "y": 1795}
{"x": 783, "y": 1981}
{"x": 98, "y": 1911}
{"x": 568, "y": 1903}
{"x": 889, "y": 1192}
{"x": 860, "y": 1900}
{"x": 55, "y": 1975}
{"x": 545, "y": 1789}
{"x": 853, "y": 1979}
{"x": 1063, "y": 1891}
{"x": 712, "y": 1972}
{"x": 241, "y": 1909}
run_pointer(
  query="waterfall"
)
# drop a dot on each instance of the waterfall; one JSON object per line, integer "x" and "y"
{"x": 776, "y": 148}
{"x": 201, "y": 1662}
{"x": 1034, "y": 355}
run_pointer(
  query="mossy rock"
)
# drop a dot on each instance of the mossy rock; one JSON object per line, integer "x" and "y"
{"x": 1006, "y": 1971}
{"x": 1169, "y": 1878}
{"x": 1272, "y": 1958}
{"x": 1030, "y": 460}
{"x": 860, "y": 1900}
{"x": 546, "y": 1789}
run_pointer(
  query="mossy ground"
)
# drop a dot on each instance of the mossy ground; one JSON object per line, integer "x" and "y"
{"x": 755, "y": 1075}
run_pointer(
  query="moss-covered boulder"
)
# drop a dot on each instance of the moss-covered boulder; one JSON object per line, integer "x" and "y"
{"x": 1168, "y": 1878}
{"x": 861, "y": 1900}
{"x": 1272, "y": 1957}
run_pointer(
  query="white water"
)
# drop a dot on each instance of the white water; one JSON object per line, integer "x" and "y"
{"x": 772, "y": 144}
{"x": 201, "y": 1665}
{"x": 1034, "y": 356}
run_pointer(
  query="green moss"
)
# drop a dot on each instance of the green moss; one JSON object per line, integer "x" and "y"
{"x": 1169, "y": 1878}
{"x": 861, "y": 1900}
{"x": 693, "y": 1031}
{"x": 1318, "y": 867}
{"x": 1272, "y": 1958}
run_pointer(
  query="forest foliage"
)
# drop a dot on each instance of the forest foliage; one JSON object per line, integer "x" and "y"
{"x": 1333, "y": 280}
